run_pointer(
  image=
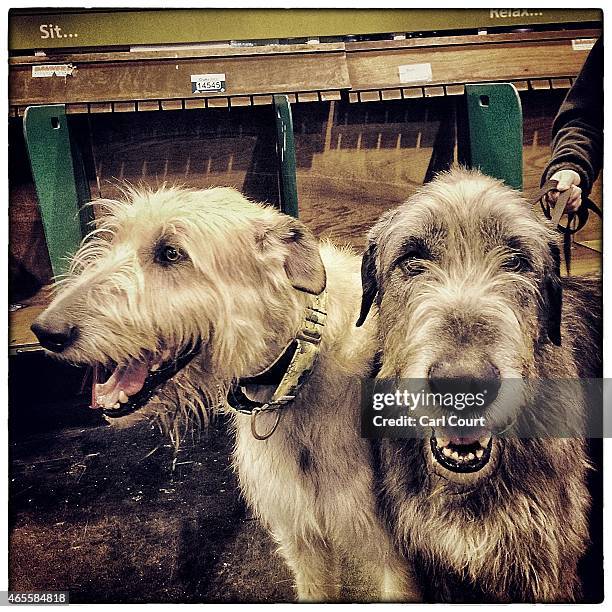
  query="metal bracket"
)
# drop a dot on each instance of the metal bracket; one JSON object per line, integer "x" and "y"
{"x": 60, "y": 180}
{"x": 285, "y": 151}
{"x": 494, "y": 132}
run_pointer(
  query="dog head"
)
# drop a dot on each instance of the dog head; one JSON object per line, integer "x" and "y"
{"x": 177, "y": 279}
{"x": 466, "y": 281}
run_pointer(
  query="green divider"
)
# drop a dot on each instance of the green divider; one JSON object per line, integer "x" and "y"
{"x": 285, "y": 150}
{"x": 495, "y": 130}
{"x": 60, "y": 182}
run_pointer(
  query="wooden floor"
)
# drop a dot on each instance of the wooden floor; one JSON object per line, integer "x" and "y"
{"x": 586, "y": 258}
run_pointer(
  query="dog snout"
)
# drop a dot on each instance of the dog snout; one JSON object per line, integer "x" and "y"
{"x": 455, "y": 376}
{"x": 54, "y": 333}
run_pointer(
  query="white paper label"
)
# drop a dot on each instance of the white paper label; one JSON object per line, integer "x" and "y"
{"x": 583, "y": 44}
{"x": 415, "y": 73}
{"x": 51, "y": 70}
{"x": 205, "y": 83}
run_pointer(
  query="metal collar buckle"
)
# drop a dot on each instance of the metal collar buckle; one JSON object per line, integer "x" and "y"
{"x": 272, "y": 429}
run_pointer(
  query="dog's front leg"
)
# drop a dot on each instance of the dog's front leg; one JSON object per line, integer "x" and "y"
{"x": 398, "y": 582}
{"x": 315, "y": 567}
{"x": 391, "y": 577}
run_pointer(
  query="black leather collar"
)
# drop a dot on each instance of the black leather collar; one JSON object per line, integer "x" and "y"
{"x": 272, "y": 375}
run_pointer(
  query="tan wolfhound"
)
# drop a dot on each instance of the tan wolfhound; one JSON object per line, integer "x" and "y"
{"x": 188, "y": 295}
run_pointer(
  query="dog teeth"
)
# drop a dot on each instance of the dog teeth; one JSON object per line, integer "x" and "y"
{"x": 442, "y": 441}
{"x": 123, "y": 398}
{"x": 117, "y": 405}
{"x": 462, "y": 454}
{"x": 155, "y": 367}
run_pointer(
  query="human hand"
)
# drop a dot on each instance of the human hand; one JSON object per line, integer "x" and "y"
{"x": 567, "y": 179}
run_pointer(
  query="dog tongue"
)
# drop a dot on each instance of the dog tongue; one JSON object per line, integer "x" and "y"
{"x": 128, "y": 378}
{"x": 472, "y": 435}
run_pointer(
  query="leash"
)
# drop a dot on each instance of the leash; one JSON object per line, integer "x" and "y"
{"x": 575, "y": 220}
{"x": 288, "y": 372}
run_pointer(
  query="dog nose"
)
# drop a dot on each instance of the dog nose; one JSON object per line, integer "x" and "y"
{"x": 453, "y": 376}
{"x": 54, "y": 334}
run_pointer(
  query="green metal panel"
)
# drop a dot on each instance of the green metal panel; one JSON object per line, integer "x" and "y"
{"x": 495, "y": 129}
{"x": 285, "y": 150}
{"x": 60, "y": 182}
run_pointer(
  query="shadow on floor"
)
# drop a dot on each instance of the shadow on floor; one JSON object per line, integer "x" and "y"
{"x": 119, "y": 516}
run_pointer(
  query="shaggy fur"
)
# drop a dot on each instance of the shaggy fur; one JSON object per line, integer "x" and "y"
{"x": 239, "y": 288}
{"x": 464, "y": 273}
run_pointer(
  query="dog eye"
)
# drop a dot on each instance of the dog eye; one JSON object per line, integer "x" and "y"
{"x": 411, "y": 263}
{"x": 516, "y": 262}
{"x": 169, "y": 255}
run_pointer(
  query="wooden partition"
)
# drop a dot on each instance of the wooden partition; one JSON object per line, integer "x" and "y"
{"x": 367, "y": 131}
{"x": 354, "y": 161}
{"x": 442, "y": 65}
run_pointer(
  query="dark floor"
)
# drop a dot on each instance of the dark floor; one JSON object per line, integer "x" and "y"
{"x": 119, "y": 516}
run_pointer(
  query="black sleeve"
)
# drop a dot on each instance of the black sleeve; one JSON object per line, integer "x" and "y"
{"x": 578, "y": 127}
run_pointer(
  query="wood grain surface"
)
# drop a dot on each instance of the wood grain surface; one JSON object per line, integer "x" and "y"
{"x": 168, "y": 78}
{"x": 354, "y": 162}
{"x": 379, "y": 69}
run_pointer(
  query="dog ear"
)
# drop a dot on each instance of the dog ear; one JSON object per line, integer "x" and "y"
{"x": 303, "y": 263}
{"x": 369, "y": 275}
{"x": 300, "y": 252}
{"x": 368, "y": 282}
{"x": 552, "y": 296}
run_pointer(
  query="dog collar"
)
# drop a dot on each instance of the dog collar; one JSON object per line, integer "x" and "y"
{"x": 288, "y": 372}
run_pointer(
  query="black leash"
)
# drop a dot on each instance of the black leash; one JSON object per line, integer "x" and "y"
{"x": 575, "y": 220}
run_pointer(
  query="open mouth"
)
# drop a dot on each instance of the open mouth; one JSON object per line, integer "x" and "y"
{"x": 461, "y": 454}
{"x": 132, "y": 384}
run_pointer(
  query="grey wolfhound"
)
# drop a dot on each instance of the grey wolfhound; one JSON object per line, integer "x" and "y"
{"x": 187, "y": 295}
{"x": 466, "y": 284}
